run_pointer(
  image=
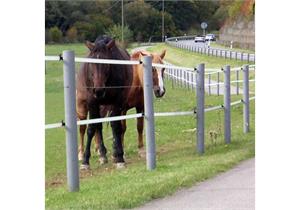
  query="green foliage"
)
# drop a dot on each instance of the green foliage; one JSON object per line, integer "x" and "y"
{"x": 234, "y": 8}
{"x": 85, "y": 30}
{"x": 72, "y": 34}
{"x": 143, "y": 17}
{"x": 55, "y": 34}
{"x": 116, "y": 32}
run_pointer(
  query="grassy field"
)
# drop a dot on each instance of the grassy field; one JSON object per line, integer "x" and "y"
{"x": 219, "y": 46}
{"x": 178, "y": 164}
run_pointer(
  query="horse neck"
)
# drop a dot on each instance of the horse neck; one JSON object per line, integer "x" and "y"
{"x": 137, "y": 71}
{"x": 138, "y": 75}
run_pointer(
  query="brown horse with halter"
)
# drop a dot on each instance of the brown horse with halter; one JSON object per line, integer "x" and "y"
{"x": 134, "y": 98}
{"x": 103, "y": 84}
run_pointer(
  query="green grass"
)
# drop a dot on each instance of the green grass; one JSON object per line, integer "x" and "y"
{"x": 178, "y": 164}
{"x": 219, "y": 46}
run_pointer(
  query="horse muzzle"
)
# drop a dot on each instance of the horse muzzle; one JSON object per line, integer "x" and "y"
{"x": 99, "y": 93}
{"x": 159, "y": 92}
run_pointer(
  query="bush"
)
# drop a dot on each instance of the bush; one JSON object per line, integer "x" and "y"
{"x": 72, "y": 34}
{"x": 55, "y": 34}
{"x": 116, "y": 32}
{"x": 85, "y": 31}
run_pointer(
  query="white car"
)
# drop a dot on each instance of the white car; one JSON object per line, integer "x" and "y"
{"x": 210, "y": 37}
{"x": 199, "y": 39}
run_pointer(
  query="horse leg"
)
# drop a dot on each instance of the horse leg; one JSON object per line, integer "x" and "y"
{"x": 94, "y": 113}
{"x": 97, "y": 140}
{"x": 82, "y": 115}
{"x": 117, "y": 142}
{"x": 140, "y": 128}
{"x": 82, "y": 129}
{"x": 124, "y": 127}
{"x": 101, "y": 147}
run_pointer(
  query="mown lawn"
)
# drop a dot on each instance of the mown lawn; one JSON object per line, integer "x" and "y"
{"x": 220, "y": 46}
{"x": 178, "y": 164}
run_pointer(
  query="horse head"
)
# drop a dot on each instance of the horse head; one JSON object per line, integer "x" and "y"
{"x": 100, "y": 49}
{"x": 158, "y": 73}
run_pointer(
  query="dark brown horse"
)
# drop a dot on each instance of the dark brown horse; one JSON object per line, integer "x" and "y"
{"x": 103, "y": 84}
{"x": 135, "y": 100}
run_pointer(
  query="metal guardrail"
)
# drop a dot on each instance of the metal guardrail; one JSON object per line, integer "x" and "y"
{"x": 227, "y": 54}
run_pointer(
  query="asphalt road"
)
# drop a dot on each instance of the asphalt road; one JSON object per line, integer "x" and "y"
{"x": 221, "y": 52}
{"x": 232, "y": 190}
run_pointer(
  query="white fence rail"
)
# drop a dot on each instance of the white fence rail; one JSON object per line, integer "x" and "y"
{"x": 191, "y": 77}
{"x": 179, "y": 42}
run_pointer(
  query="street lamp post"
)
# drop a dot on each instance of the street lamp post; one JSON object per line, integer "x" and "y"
{"x": 122, "y": 21}
{"x": 163, "y": 22}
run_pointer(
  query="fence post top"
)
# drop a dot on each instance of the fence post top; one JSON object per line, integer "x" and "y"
{"x": 200, "y": 68}
{"x": 68, "y": 52}
{"x": 146, "y": 57}
{"x": 226, "y": 68}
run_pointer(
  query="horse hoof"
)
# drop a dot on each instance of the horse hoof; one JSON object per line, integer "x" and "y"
{"x": 120, "y": 165}
{"x": 97, "y": 151}
{"x": 80, "y": 156}
{"x": 84, "y": 167}
{"x": 103, "y": 160}
{"x": 142, "y": 153}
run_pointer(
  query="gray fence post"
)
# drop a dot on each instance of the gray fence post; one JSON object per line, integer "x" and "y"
{"x": 188, "y": 79}
{"x": 200, "y": 92}
{"x": 172, "y": 70}
{"x": 218, "y": 85}
{"x": 149, "y": 113}
{"x": 209, "y": 83}
{"x": 184, "y": 79}
{"x": 192, "y": 77}
{"x": 246, "y": 97}
{"x": 248, "y": 57}
{"x": 71, "y": 120}
{"x": 237, "y": 82}
{"x": 227, "y": 120}
{"x": 181, "y": 76}
{"x": 177, "y": 75}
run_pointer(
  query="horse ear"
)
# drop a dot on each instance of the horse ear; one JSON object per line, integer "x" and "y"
{"x": 110, "y": 44}
{"x": 162, "y": 55}
{"x": 143, "y": 53}
{"x": 90, "y": 45}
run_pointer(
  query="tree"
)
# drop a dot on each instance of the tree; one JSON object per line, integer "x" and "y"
{"x": 145, "y": 21}
{"x": 116, "y": 32}
{"x": 72, "y": 34}
{"x": 55, "y": 34}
